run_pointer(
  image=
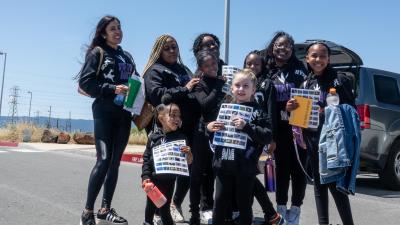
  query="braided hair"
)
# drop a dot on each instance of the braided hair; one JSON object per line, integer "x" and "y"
{"x": 156, "y": 51}
{"x": 197, "y": 42}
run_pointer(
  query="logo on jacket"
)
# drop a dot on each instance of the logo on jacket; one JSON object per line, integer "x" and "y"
{"x": 107, "y": 62}
{"x": 121, "y": 58}
{"x": 109, "y": 76}
{"x": 228, "y": 154}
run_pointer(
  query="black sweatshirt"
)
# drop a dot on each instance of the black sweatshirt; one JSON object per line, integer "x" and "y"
{"x": 245, "y": 161}
{"x": 330, "y": 79}
{"x": 165, "y": 83}
{"x": 291, "y": 75}
{"x": 117, "y": 66}
{"x": 265, "y": 96}
{"x": 155, "y": 139}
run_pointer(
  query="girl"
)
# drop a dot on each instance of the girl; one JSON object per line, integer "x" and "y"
{"x": 236, "y": 168}
{"x": 167, "y": 80}
{"x": 169, "y": 118}
{"x": 265, "y": 95}
{"x": 286, "y": 72}
{"x": 112, "y": 124}
{"x": 323, "y": 77}
{"x": 209, "y": 95}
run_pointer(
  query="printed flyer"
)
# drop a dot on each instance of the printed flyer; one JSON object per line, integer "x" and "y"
{"x": 313, "y": 121}
{"x": 230, "y": 137}
{"x": 168, "y": 158}
{"x": 228, "y": 72}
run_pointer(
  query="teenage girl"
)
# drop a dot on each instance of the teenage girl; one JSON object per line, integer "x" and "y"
{"x": 286, "y": 72}
{"x": 208, "y": 93}
{"x": 168, "y": 117}
{"x": 236, "y": 168}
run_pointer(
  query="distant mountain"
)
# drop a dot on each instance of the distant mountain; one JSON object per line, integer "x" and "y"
{"x": 76, "y": 124}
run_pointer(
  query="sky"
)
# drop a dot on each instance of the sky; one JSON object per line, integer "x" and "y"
{"x": 45, "y": 39}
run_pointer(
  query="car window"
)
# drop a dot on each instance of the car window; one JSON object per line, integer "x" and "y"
{"x": 386, "y": 90}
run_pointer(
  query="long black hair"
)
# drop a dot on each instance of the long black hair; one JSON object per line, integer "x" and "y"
{"x": 98, "y": 39}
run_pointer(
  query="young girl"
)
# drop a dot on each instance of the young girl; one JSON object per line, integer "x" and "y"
{"x": 236, "y": 168}
{"x": 323, "y": 77}
{"x": 265, "y": 96}
{"x": 169, "y": 119}
{"x": 286, "y": 72}
{"x": 112, "y": 123}
{"x": 208, "y": 93}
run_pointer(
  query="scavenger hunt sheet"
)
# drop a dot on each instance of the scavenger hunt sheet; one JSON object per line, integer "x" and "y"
{"x": 168, "y": 158}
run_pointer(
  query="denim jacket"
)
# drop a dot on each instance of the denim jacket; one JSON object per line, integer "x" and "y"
{"x": 339, "y": 147}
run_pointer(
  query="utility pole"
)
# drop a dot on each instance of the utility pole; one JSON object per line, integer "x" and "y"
{"x": 37, "y": 118}
{"x": 4, "y": 73}
{"x": 226, "y": 30}
{"x": 13, "y": 104}
{"x": 30, "y": 104}
{"x": 48, "y": 121}
{"x": 68, "y": 123}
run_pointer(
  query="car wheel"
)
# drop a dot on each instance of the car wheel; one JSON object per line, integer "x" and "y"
{"x": 390, "y": 175}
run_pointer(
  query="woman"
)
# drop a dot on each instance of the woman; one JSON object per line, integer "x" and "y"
{"x": 322, "y": 77}
{"x": 112, "y": 123}
{"x": 167, "y": 80}
{"x": 286, "y": 72}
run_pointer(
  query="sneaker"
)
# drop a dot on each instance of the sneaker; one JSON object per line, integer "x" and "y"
{"x": 157, "y": 220}
{"x": 87, "y": 218}
{"x": 110, "y": 218}
{"x": 282, "y": 210}
{"x": 176, "y": 213}
{"x": 278, "y": 220}
{"x": 294, "y": 216}
{"x": 206, "y": 216}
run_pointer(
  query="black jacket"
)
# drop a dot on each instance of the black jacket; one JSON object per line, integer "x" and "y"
{"x": 155, "y": 139}
{"x": 265, "y": 96}
{"x": 117, "y": 66}
{"x": 291, "y": 75}
{"x": 165, "y": 83}
{"x": 245, "y": 161}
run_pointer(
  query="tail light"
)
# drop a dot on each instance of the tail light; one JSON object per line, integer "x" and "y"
{"x": 363, "y": 112}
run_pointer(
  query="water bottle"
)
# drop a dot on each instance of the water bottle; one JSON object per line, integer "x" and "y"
{"x": 155, "y": 195}
{"x": 332, "y": 98}
{"x": 119, "y": 99}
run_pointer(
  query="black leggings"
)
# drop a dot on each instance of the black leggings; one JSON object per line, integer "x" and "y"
{"x": 111, "y": 138}
{"x": 262, "y": 197}
{"x": 321, "y": 190}
{"x": 241, "y": 186}
{"x": 167, "y": 188}
{"x": 288, "y": 168}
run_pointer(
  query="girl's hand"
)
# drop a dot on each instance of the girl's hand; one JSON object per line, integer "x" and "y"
{"x": 215, "y": 126}
{"x": 291, "y": 105}
{"x": 190, "y": 85}
{"x": 146, "y": 183}
{"x": 121, "y": 89}
{"x": 238, "y": 122}
{"x": 185, "y": 149}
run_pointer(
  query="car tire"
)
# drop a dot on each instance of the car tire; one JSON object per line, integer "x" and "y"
{"x": 390, "y": 175}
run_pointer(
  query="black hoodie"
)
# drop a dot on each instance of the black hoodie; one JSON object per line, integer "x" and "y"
{"x": 165, "y": 83}
{"x": 117, "y": 66}
{"x": 155, "y": 139}
{"x": 245, "y": 161}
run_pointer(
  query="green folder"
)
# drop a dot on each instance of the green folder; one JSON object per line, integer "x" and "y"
{"x": 134, "y": 87}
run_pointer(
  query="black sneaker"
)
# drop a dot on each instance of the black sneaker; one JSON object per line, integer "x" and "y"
{"x": 110, "y": 218}
{"x": 87, "y": 218}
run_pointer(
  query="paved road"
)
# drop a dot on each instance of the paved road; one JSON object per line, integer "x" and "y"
{"x": 45, "y": 186}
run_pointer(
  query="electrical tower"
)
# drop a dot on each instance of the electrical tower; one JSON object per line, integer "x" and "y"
{"x": 68, "y": 123}
{"x": 48, "y": 126}
{"x": 37, "y": 119}
{"x": 13, "y": 114}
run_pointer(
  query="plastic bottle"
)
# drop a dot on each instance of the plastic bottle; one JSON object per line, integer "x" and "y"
{"x": 155, "y": 195}
{"x": 332, "y": 98}
{"x": 119, "y": 100}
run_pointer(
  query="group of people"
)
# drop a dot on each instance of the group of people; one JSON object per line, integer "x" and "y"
{"x": 186, "y": 108}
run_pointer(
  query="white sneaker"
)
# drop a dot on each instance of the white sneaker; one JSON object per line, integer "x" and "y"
{"x": 176, "y": 213}
{"x": 157, "y": 220}
{"x": 294, "y": 216}
{"x": 206, "y": 216}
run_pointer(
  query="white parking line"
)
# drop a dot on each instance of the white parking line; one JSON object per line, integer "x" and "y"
{"x": 22, "y": 150}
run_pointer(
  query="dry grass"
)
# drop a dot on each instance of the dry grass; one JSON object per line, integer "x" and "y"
{"x": 14, "y": 132}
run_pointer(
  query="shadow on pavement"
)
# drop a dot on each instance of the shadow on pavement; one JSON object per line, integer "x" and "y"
{"x": 369, "y": 184}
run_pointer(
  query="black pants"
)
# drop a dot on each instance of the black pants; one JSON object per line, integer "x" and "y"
{"x": 288, "y": 168}
{"x": 111, "y": 138}
{"x": 225, "y": 186}
{"x": 202, "y": 176}
{"x": 166, "y": 186}
{"x": 261, "y": 195}
{"x": 321, "y": 190}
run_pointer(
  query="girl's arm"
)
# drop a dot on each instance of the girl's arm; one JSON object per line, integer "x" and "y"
{"x": 88, "y": 80}
{"x": 147, "y": 167}
{"x": 259, "y": 130}
{"x": 209, "y": 101}
{"x": 345, "y": 90}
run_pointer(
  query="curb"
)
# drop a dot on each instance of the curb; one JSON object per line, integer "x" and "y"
{"x": 132, "y": 158}
{"x": 8, "y": 144}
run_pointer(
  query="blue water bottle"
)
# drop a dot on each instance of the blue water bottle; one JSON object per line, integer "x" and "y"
{"x": 119, "y": 100}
